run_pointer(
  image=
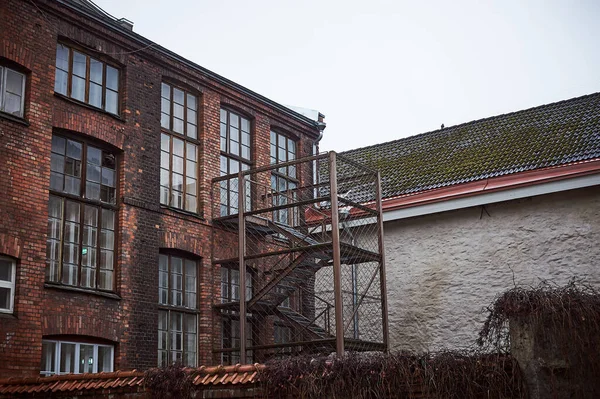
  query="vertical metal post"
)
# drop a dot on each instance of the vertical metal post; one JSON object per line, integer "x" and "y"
{"x": 242, "y": 263}
{"x": 337, "y": 266}
{"x": 382, "y": 282}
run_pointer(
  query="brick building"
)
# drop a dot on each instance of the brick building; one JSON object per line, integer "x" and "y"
{"x": 109, "y": 144}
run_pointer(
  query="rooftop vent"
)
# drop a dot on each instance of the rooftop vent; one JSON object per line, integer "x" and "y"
{"x": 125, "y": 23}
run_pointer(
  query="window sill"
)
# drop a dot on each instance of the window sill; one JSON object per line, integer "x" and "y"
{"x": 88, "y": 106}
{"x": 105, "y": 294}
{"x": 164, "y": 208}
{"x": 10, "y": 316}
{"x": 13, "y": 118}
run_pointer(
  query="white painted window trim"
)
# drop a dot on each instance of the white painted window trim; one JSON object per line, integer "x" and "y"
{"x": 9, "y": 284}
{"x": 58, "y": 346}
{"x": 3, "y": 72}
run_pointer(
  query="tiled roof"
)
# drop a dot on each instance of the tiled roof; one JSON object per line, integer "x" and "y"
{"x": 540, "y": 137}
{"x": 129, "y": 381}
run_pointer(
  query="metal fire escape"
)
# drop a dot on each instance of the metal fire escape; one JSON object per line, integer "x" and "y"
{"x": 309, "y": 266}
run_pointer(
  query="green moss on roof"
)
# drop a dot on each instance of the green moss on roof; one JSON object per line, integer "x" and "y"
{"x": 547, "y": 135}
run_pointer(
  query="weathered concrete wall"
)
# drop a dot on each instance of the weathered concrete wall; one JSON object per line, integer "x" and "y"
{"x": 443, "y": 269}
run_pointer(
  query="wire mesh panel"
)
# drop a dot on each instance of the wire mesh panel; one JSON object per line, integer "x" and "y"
{"x": 308, "y": 273}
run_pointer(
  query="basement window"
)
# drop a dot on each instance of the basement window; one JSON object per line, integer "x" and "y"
{"x": 63, "y": 357}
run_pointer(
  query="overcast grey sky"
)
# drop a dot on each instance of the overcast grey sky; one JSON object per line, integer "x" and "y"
{"x": 381, "y": 70}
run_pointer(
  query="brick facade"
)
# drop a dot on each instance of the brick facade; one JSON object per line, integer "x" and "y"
{"x": 128, "y": 317}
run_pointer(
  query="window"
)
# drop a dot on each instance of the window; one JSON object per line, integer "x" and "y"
{"x": 81, "y": 215}
{"x": 284, "y": 179}
{"x": 178, "y": 111}
{"x": 282, "y": 335}
{"x": 12, "y": 92}
{"x": 86, "y": 79}
{"x": 235, "y": 156}
{"x": 179, "y": 155}
{"x": 178, "y": 161}
{"x": 230, "y": 292}
{"x": 177, "y": 316}
{"x": 7, "y": 284}
{"x": 62, "y": 357}
{"x": 230, "y": 285}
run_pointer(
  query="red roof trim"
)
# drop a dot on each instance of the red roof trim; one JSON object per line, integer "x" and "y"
{"x": 501, "y": 183}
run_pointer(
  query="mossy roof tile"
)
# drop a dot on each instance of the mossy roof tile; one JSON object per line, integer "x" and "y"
{"x": 548, "y": 135}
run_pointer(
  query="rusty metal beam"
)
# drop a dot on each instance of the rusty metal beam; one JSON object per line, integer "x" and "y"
{"x": 242, "y": 263}
{"x": 337, "y": 266}
{"x": 382, "y": 282}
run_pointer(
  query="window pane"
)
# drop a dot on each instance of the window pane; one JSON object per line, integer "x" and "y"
{"x": 67, "y": 358}
{"x": 165, "y": 90}
{"x": 177, "y": 96}
{"x": 191, "y": 169}
{"x": 164, "y": 142}
{"x": 14, "y": 82}
{"x": 78, "y": 88}
{"x": 245, "y": 125}
{"x": 62, "y": 57}
{"x": 177, "y": 199}
{"x": 191, "y": 152}
{"x": 74, "y": 149}
{"x": 95, "y": 95}
{"x": 178, "y": 164}
{"x": 108, "y": 219}
{"x": 86, "y": 358}
{"x": 96, "y": 71}
{"x": 104, "y": 359}
{"x": 12, "y": 104}
{"x": 191, "y": 102}
{"x": 6, "y": 270}
{"x": 105, "y": 279}
{"x": 178, "y": 147}
{"x": 58, "y": 145}
{"x": 178, "y": 125}
{"x": 79, "y": 64}
{"x": 93, "y": 172}
{"x": 5, "y": 294}
{"x": 191, "y": 204}
{"x": 60, "y": 82}
{"x": 112, "y": 99}
{"x": 192, "y": 131}
{"x": 112, "y": 78}
{"x": 178, "y": 111}
{"x": 48, "y": 365}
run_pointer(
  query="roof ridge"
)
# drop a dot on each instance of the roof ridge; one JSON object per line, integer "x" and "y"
{"x": 453, "y": 127}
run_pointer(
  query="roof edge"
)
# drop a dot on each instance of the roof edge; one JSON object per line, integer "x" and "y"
{"x": 493, "y": 184}
{"x": 115, "y": 26}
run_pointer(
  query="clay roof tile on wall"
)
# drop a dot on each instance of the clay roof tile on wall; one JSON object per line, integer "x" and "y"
{"x": 205, "y": 378}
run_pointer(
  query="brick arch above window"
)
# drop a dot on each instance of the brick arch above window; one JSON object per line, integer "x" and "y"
{"x": 17, "y": 54}
{"x": 81, "y": 325}
{"x": 187, "y": 245}
{"x": 10, "y": 245}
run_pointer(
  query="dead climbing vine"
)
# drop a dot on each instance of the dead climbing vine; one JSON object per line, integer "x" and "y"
{"x": 450, "y": 374}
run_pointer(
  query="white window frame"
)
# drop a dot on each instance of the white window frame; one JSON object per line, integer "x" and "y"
{"x": 57, "y": 354}
{"x": 3, "y": 72}
{"x": 9, "y": 284}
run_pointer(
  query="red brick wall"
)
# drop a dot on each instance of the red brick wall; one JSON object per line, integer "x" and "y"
{"x": 29, "y": 33}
